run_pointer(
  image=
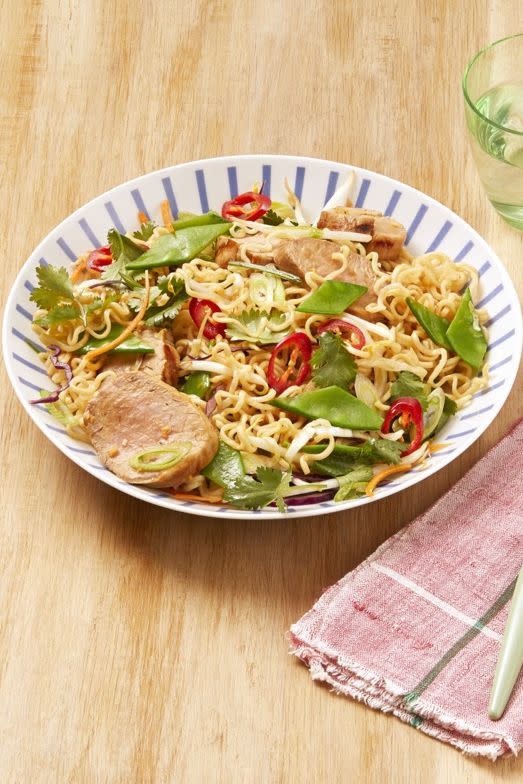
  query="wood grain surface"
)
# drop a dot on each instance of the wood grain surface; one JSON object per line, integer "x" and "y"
{"x": 137, "y": 645}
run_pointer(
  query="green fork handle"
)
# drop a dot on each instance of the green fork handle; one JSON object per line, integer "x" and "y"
{"x": 510, "y": 658}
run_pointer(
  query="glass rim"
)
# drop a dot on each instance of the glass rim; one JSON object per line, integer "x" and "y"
{"x": 465, "y": 90}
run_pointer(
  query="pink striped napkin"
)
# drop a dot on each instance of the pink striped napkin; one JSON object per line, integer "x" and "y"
{"x": 415, "y": 629}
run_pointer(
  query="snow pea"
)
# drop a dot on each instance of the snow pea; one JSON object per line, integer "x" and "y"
{"x": 132, "y": 345}
{"x": 332, "y": 297}
{"x": 334, "y": 404}
{"x": 197, "y": 383}
{"x": 435, "y": 326}
{"x": 175, "y": 249}
{"x": 187, "y": 220}
{"x": 226, "y": 467}
{"x": 466, "y": 335}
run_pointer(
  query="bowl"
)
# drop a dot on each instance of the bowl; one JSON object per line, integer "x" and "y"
{"x": 202, "y": 185}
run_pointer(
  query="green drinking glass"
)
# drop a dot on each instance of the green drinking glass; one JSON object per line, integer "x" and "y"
{"x": 493, "y": 90}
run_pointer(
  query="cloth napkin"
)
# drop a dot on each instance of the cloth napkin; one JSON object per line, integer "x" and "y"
{"x": 415, "y": 630}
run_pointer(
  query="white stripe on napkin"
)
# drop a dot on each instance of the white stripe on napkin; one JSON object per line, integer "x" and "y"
{"x": 436, "y": 601}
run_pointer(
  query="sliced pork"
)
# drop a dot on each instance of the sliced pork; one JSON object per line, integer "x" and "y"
{"x": 313, "y": 255}
{"x": 163, "y": 364}
{"x": 388, "y": 236}
{"x": 228, "y": 249}
{"x": 308, "y": 254}
{"x": 133, "y": 413}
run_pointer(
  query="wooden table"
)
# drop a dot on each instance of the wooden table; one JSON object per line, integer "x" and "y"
{"x": 141, "y": 646}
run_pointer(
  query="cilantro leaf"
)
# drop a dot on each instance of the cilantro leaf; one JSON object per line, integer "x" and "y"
{"x": 145, "y": 231}
{"x": 344, "y": 457}
{"x": 332, "y": 363}
{"x": 248, "y": 492}
{"x": 123, "y": 251}
{"x": 103, "y": 303}
{"x": 385, "y": 450}
{"x": 353, "y": 484}
{"x": 65, "y": 312}
{"x": 54, "y": 287}
{"x": 449, "y": 409}
{"x": 174, "y": 289}
{"x": 256, "y": 326}
{"x": 408, "y": 384}
{"x": 272, "y": 218}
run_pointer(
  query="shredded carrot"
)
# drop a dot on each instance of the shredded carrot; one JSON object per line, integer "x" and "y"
{"x": 79, "y": 269}
{"x": 437, "y": 447}
{"x": 200, "y": 498}
{"x": 142, "y": 217}
{"x": 167, "y": 215}
{"x": 374, "y": 482}
{"x": 95, "y": 352}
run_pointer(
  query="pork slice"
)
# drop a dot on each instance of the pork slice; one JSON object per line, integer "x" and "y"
{"x": 228, "y": 249}
{"x": 163, "y": 364}
{"x": 388, "y": 236}
{"x": 133, "y": 412}
{"x": 314, "y": 255}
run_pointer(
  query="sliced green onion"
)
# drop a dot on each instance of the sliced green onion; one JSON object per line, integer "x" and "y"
{"x": 431, "y": 417}
{"x": 260, "y": 290}
{"x": 268, "y": 269}
{"x": 365, "y": 390}
{"x": 282, "y": 210}
{"x": 266, "y": 291}
{"x": 149, "y": 459}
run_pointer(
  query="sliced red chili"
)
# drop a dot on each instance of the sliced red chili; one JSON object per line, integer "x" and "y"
{"x": 199, "y": 309}
{"x": 344, "y": 329}
{"x": 99, "y": 258}
{"x": 293, "y": 354}
{"x": 247, "y": 206}
{"x": 409, "y": 414}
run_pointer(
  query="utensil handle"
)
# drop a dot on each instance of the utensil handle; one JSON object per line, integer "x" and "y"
{"x": 510, "y": 656}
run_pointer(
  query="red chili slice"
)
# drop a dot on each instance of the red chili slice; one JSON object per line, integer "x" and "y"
{"x": 410, "y": 414}
{"x": 344, "y": 328}
{"x": 294, "y": 353}
{"x": 247, "y": 206}
{"x": 99, "y": 258}
{"x": 199, "y": 309}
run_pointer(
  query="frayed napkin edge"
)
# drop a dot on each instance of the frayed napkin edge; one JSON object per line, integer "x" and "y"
{"x": 324, "y": 665}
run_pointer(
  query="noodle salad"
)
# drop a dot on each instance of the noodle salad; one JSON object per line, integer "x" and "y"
{"x": 251, "y": 357}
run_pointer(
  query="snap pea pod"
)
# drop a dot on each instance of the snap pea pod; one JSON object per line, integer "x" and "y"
{"x": 132, "y": 345}
{"x": 435, "y": 326}
{"x": 187, "y": 221}
{"x": 334, "y": 404}
{"x": 197, "y": 383}
{"x": 332, "y": 297}
{"x": 175, "y": 249}
{"x": 226, "y": 467}
{"x": 466, "y": 335}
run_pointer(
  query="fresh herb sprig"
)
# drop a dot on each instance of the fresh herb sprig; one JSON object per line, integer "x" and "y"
{"x": 332, "y": 363}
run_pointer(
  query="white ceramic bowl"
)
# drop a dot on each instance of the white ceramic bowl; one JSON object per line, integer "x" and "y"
{"x": 200, "y": 185}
